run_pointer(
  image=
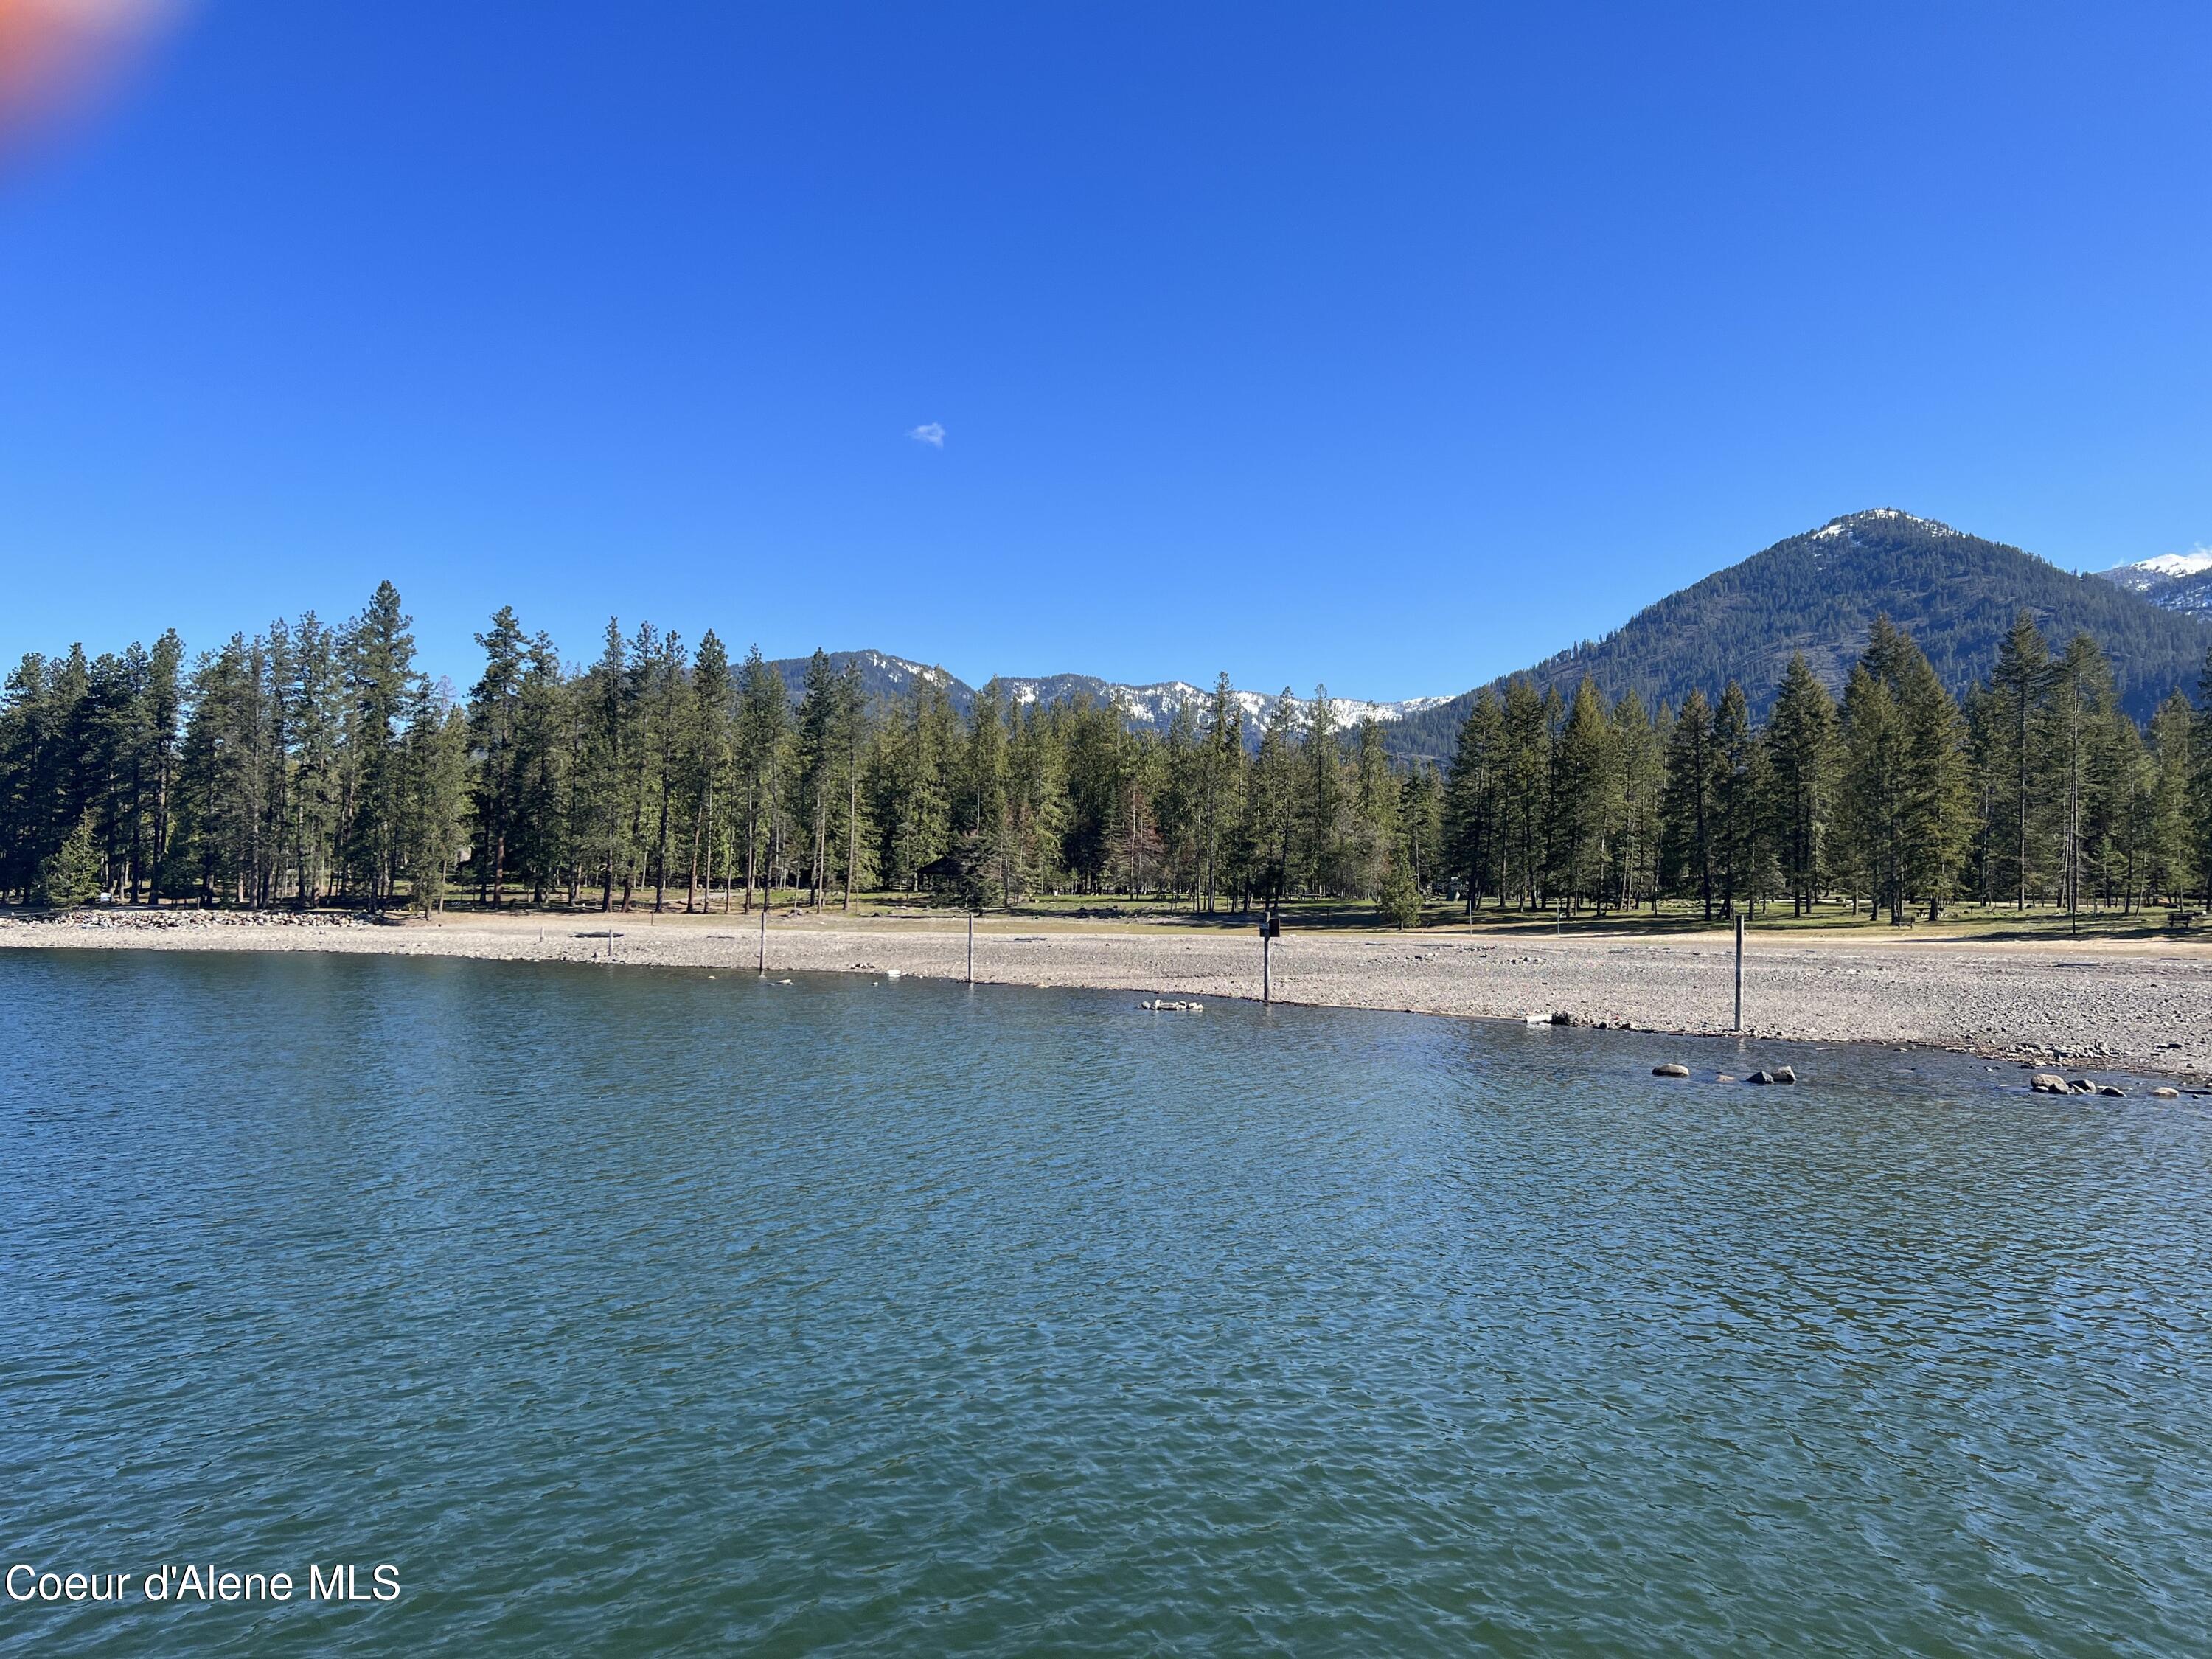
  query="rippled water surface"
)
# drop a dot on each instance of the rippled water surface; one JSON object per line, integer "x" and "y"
{"x": 634, "y": 1311}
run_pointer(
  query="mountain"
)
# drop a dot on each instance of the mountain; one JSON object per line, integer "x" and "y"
{"x": 1818, "y": 592}
{"x": 888, "y": 679}
{"x": 2172, "y": 581}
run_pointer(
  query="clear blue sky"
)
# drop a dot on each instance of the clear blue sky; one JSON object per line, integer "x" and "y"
{"x": 1391, "y": 346}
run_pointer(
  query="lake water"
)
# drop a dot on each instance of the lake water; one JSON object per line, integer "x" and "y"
{"x": 629, "y": 1311}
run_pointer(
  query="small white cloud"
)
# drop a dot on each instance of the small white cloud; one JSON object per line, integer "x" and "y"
{"x": 930, "y": 433}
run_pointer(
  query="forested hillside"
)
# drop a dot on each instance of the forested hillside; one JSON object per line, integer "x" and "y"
{"x": 1819, "y": 593}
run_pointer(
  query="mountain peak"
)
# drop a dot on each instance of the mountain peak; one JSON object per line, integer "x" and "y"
{"x": 2181, "y": 582}
{"x": 1817, "y": 593}
{"x": 1889, "y": 517}
{"x": 2175, "y": 564}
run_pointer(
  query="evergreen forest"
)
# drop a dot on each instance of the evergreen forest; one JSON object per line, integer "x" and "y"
{"x": 311, "y": 765}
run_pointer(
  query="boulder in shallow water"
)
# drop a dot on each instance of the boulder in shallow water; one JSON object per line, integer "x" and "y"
{"x": 2111, "y": 1092}
{"x": 1761, "y": 1076}
{"x": 2047, "y": 1083}
{"x": 2166, "y": 1094}
{"x": 1670, "y": 1069}
{"x": 2082, "y": 1086}
{"x": 1784, "y": 1074}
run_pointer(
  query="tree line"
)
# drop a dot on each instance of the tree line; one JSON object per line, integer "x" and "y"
{"x": 311, "y": 765}
{"x": 2037, "y": 787}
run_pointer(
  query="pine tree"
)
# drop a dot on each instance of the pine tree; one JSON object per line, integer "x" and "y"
{"x": 2018, "y": 686}
{"x": 1639, "y": 759}
{"x": 599, "y": 824}
{"x": 851, "y": 728}
{"x": 164, "y": 729}
{"x": 2202, "y": 786}
{"x": 1869, "y": 793}
{"x": 2167, "y": 852}
{"x": 71, "y": 874}
{"x": 1272, "y": 802}
{"x": 547, "y": 718}
{"x": 1219, "y": 761}
{"x": 1584, "y": 799}
{"x": 914, "y": 781}
{"x": 1372, "y": 843}
{"x": 1037, "y": 804}
{"x": 1738, "y": 824}
{"x": 316, "y": 697}
{"x": 2073, "y": 729}
{"x": 763, "y": 720}
{"x": 1800, "y": 743}
{"x": 1473, "y": 813}
{"x": 1400, "y": 899}
{"x": 1906, "y": 809}
{"x": 816, "y": 778}
{"x": 224, "y": 774}
{"x": 1524, "y": 778}
{"x": 1421, "y": 824}
{"x": 707, "y": 764}
{"x": 1688, "y": 803}
{"x": 1937, "y": 819}
{"x": 493, "y": 711}
{"x": 1323, "y": 832}
{"x": 2130, "y": 846}
{"x": 379, "y": 662}
{"x": 987, "y": 853}
{"x": 433, "y": 828}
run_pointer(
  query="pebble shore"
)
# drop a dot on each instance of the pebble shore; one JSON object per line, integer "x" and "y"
{"x": 2141, "y": 1006}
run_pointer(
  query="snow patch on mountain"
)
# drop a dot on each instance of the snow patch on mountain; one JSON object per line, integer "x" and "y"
{"x": 2176, "y": 564}
{"x": 1844, "y": 526}
{"x": 1152, "y": 706}
{"x": 2172, "y": 581}
{"x": 1155, "y": 705}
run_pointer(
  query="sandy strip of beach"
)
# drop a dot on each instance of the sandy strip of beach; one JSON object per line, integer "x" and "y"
{"x": 2142, "y": 1007}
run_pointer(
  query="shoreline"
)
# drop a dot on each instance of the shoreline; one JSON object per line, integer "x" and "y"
{"x": 2138, "y": 1006}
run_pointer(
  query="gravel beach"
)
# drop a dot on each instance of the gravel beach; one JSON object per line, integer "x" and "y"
{"x": 2142, "y": 1007}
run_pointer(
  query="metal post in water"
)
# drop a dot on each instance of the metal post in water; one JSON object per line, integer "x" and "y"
{"x": 1739, "y": 970}
{"x": 763, "y": 940}
{"x": 971, "y": 947}
{"x": 1266, "y": 963}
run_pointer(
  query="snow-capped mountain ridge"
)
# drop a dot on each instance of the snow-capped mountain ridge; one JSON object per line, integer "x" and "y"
{"x": 2176, "y": 564}
{"x": 2172, "y": 581}
{"x": 889, "y": 677}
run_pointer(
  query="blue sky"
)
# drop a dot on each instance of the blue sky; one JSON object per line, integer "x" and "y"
{"x": 1389, "y": 346}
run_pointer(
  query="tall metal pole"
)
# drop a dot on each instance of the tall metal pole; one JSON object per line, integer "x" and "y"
{"x": 763, "y": 942}
{"x": 1267, "y": 964}
{"x": 971, "y": 947}
{"x": 1739, "y": 970}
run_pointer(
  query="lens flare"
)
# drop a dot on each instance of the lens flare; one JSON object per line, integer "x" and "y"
{"x": 57, "y": 55}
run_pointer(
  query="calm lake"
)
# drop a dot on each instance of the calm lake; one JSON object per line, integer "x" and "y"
{"x": 634, "y": 1311}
